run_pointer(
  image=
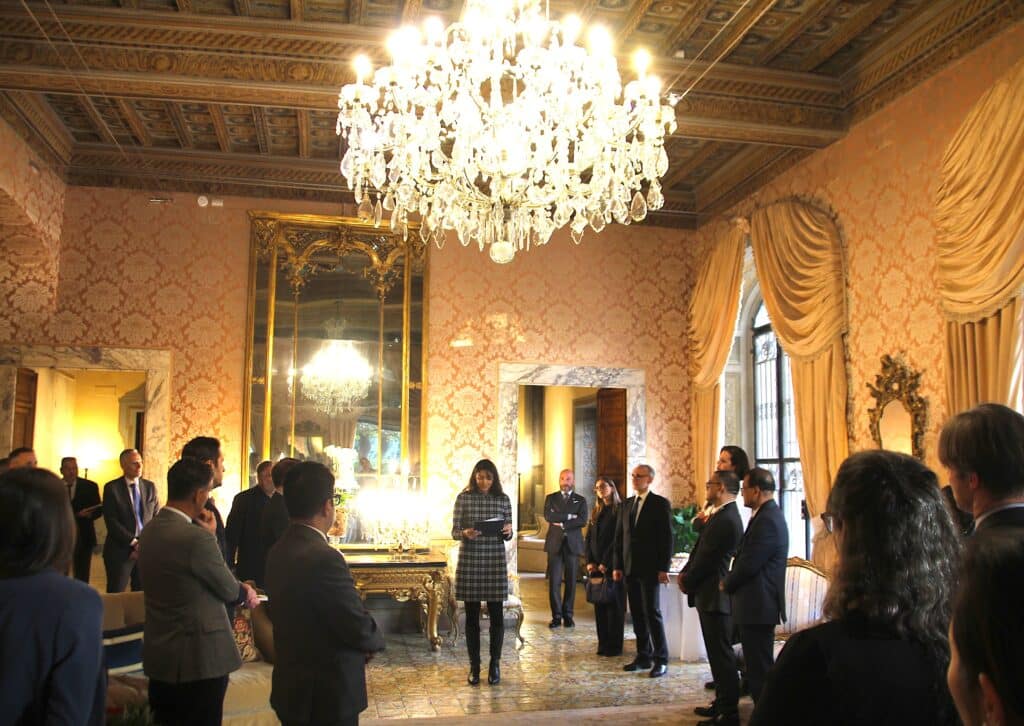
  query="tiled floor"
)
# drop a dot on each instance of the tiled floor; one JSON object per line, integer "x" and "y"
{"x": 556, "y": 670}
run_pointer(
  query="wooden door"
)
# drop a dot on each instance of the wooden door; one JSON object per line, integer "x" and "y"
{"x": 24, "y": 408}
{"x": 611, "y": 436}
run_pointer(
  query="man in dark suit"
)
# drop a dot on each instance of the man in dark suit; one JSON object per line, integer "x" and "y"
{"x": 207, "y": 449}
{"x": 129, "y": 503}
{"x": 983, "y": 452}
{"x": 566, "y": 512}
{"x": 245, "y": 553}
{"x": 85, "y": 503}
{"x": 322, "y": 632}
{"x": 643, "y": 553}
{"x": 188, "y": 646}
{"x": 701, "y": 578}
{"x": 757, "y": 581}
{"x": 274, "y": 520}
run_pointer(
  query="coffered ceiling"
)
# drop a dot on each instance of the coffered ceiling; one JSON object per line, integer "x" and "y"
{"x": 239, "y": 96}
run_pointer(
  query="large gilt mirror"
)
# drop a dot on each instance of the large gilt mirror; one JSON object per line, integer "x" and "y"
{"x": 335, "y": 357}
{"x": 900, "y": 415}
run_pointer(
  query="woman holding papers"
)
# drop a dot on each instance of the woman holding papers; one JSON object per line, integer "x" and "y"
{"x": 482, "y": 522}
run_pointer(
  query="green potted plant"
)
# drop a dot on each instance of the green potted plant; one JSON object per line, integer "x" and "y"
{"x": 341, "y": 500}
{"x": 685, "y": 534}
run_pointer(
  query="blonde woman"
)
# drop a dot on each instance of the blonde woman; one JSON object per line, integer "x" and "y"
{"x": 600, "y": 552}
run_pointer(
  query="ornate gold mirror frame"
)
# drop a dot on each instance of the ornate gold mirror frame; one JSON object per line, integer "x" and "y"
{"x": 899, "y": 382}
{"x": 300, "y": 264}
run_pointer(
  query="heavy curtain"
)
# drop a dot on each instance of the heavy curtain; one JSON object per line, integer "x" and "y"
{"x": 800, "y": 267}
{"x": 713, "y": 309}
{"x": 979, "y": 216}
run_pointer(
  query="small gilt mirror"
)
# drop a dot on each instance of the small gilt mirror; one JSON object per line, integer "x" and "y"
{"x": 900, "y": 414}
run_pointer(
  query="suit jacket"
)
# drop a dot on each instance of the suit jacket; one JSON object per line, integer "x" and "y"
{"x": 273, "y": 521}
{"x": 557, "y": 509}
{"x": 219, "y": 532}
{"x": 87, "y": 494}
{"x": 1011, "y": 517}
{"x": 601, "y": 538}
{"x": 757, "y": 581}
{"x": 244, "y": 549}
{"x": 322, "y": 631}
{"x": 187, "y": 635}
{"x": 709, "y": 561}
{"x": 51, "y": 636}
{"x": 644, "y": 549}
{"x": 119, "y": 517}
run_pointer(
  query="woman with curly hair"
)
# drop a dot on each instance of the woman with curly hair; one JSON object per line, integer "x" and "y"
{"x": 482, "y": 572}
{"x": 881, "y": 657}
{"x": 986, "y": 638}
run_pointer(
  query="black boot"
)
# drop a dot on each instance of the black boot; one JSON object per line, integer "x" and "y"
{"x": 473, "y": 646}
{"x": 497, "y": 638}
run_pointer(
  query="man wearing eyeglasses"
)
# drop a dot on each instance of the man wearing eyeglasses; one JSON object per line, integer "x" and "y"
{"x": 757, "y": 579}
{"x": 700, "y": 579}
{"x": 643, "y": 552}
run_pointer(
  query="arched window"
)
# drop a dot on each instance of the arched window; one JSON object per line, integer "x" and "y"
{"x": 775, "y": 443}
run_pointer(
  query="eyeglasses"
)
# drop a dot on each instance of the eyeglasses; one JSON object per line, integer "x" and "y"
{"x": 830, "y": 521}
{"x": 641, "y": 476}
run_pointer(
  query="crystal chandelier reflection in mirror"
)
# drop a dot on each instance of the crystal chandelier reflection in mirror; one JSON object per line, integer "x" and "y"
{"x": 502, "y": 128}
{"x": 337, "y": 378}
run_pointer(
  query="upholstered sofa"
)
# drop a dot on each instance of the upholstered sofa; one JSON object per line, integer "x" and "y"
{"x": 247, "y": 702}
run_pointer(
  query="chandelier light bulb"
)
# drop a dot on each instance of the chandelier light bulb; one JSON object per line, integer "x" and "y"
{"x": 363, "y": 68}
{"x": 503, "y": 129}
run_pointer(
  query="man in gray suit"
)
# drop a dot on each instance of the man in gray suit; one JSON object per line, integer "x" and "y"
{"x": 129, "y": 503}
{"x": 566, "y": 512}
{"x": 188, "y": 646}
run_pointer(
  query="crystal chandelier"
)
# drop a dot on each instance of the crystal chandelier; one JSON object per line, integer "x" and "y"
{"x": 501, "y": 128}
{"x": 336, "y": 379}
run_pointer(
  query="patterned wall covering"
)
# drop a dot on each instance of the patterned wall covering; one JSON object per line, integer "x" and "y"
{"x": 881, "y": 182}
{"x": 617, "y": 300}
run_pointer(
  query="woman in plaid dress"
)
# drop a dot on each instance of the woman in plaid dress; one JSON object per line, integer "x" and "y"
{"x": 481, "y": 574}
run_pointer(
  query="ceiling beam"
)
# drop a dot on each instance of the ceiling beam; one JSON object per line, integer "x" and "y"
{"x": 97, "y": 120}
{"x": 814, "y": 11}
{"x": 180, "y": 126}
{"x": 636, "y": 14}
{"x": 220, "y": 127}
{"x": 682, "y": 32}
{"x": 134, "y": 122}
{"x": 679, "y": 172}
{"x": 259, "y": 118}
{"x": 184, "y": 6}
{"x": 868, "y": 14}
{"x": 295, "y": 10}
{"x": 303, "y": 126}
{"x": 355, "y": 12}
{"x": 758, "y": 122}
{"x": 243, "y": 8}
{"x": 736, "y": 29}
{"x": 40, "y": 116}
{"x": 410, "y": 11}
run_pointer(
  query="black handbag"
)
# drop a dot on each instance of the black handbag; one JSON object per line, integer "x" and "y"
{"x": 600, "y": 590}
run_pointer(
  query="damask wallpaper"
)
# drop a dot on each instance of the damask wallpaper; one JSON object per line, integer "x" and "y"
{"x": 880, "y": 181}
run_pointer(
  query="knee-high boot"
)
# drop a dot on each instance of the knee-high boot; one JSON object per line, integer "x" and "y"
{"x": 473, "y": 644}
{"x": 497, "y": 633}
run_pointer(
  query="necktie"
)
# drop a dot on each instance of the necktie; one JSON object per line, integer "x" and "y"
{"x": 70, "y": 495}
{"x": 133, "y": 489}
{"x": 636, "y": 514}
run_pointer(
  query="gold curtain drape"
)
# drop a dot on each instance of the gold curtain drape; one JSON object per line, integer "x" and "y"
{"x": 713, "y": 309}
{"x": 800, "y": 268}
{"x": 979, "y": 217}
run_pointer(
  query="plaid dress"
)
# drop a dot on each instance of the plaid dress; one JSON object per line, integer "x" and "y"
{"x": 481, "y": 574}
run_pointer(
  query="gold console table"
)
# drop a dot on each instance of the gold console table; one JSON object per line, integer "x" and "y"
{"x": 421, "y": 577}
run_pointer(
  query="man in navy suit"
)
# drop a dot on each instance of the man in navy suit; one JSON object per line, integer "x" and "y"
{"x": 85, "y": 504}
{"x": 566, "y": 513}
{"x": 643, "y": 553}
{"x": 983, "y": 452}
{"x": 701, "y": 578}
{"x": 129, "y": 503}
{"x": 757, "y": 581}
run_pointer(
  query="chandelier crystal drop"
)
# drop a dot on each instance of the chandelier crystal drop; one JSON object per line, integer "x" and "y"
{"x": 503, "y": 129}
{"x": 336, "y": 379}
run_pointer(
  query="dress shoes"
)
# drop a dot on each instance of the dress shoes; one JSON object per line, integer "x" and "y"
{"x": 494, "y": 673}
{"x": 710, "y": 685}
{"x": 658, "y": 670}
{"x": 474, "y": 676}
{"x": 722, "y": 719}
{"x": 637, "y": 665}
{"x": 568, "y": 622}
{"x": 555, "y": 623}
{"x": 706, "y": 711}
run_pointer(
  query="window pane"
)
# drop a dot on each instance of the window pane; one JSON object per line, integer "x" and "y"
{"x": 790, "y": 447}
{"x": 761, "y": 317}
{"x": 765, "y": 407}
{"x": 792, "y": 484}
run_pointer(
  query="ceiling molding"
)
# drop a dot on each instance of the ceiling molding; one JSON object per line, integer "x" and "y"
{"x": 868, "y": 14}
{"x": 738, "y": 26}
{"x": 679, "y": 35}
{"x": 814, "y": 11}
